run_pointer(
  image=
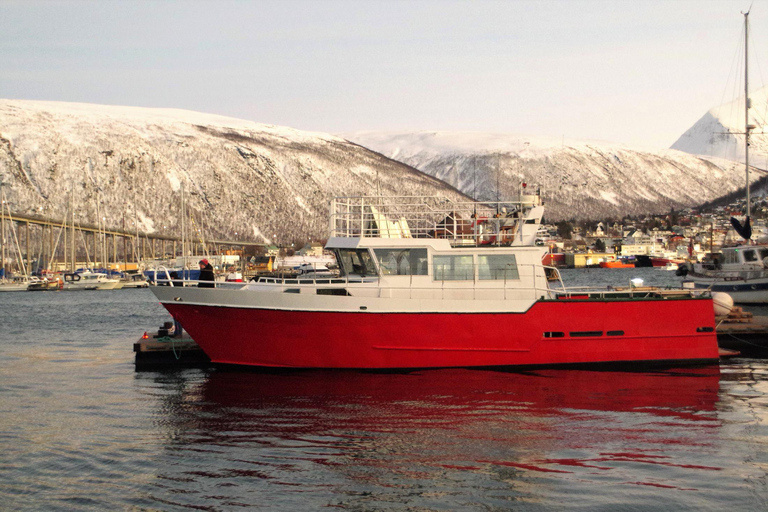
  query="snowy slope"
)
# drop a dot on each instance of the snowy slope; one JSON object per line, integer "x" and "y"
{"x": 578, "y": 179}
{"x": 240, "y": 177}
{"x": 719, "y": 132}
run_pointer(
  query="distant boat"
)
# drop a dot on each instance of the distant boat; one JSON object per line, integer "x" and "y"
{"x": 44, "y": 284}
{"x": 671, "y": 266}
{"x": 133, "y": 280}
{"x": 88, "y": 280}
{"x": 616, "y": 264}
{"x": 663, "y": 261}
{"x": 738, "y": 271}
{"x": 15, "y": 284}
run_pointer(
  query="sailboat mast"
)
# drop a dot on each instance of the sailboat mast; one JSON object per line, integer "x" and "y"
{"x": 2, "y": 231}
{"x": 73, "y": 252}
{"x": 746, "y": 105}
{"x": 183, "y": 231}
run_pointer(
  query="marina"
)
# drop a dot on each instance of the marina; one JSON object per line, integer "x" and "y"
{"x": 497, "y": 274}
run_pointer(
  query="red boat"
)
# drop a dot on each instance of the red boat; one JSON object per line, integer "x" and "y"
{"x": 659, "y": 261}
{"x": 405, "y": 299}
{"x": 616, "y": 264}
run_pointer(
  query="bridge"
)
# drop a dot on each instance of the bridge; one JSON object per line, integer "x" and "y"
{"x": 57, "y": 244}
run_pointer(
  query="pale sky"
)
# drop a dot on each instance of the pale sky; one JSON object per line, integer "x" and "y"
{"x": 638, "y": 72}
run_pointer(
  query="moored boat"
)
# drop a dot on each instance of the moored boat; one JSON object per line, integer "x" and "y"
{"x": 15, "y": 284}
{"x": 133, "y": 280}
{"x": 47, "y": 283}
{"x": 438, "y": 292}
{"x": 87, "y": 280}
{"x": 616, "y": 264}
{"x": 740, "y": 271}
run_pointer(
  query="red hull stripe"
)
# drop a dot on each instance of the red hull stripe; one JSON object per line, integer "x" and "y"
{"x": 651, "y": 330}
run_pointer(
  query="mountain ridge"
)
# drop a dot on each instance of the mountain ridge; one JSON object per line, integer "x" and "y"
{"x": 243, "y": 180}
{"x": 579, "y": 179}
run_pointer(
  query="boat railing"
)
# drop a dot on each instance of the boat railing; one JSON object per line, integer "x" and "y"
{"x": 464, "y": 223}
{"x": 183, "y": 280}
{"x": 734, "y": 275}
{"x": 159, "y": 282}
{"x": 620, "y": 292}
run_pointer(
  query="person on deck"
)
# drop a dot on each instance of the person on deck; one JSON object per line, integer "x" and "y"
{"x": 206, "y": 274}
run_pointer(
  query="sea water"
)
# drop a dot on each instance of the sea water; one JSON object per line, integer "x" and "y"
{"x": 80, "y": 429}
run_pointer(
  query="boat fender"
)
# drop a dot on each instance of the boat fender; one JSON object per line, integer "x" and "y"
{"x": 722, "y": 302}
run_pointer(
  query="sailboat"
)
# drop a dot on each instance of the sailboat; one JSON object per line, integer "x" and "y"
{"x": 740, "y": 271}
{"x": 21, "y": 282}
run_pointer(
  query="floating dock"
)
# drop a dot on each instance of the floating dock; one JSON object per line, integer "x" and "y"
{"x": 160, "y": 351}
{"x": 744, "y": 332}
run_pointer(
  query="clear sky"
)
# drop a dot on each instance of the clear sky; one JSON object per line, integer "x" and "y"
{"x": 640, "y": 72}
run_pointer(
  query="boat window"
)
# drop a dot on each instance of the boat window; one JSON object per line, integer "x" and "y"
{"x": 333, "y": 291}
{"x": 402, "y": 262}
{"x": 356, "y": 262}
{"x": 750, "y": 255}
{"x": 497, "y": 267}
{"x": 453, "y": 268}
{"x": 763, "y": 253}
{"x": 585, "y": 334}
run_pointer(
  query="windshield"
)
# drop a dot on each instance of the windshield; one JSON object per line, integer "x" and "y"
{"x": 355, "y": 262}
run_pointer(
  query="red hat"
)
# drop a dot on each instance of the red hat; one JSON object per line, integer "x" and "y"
{"x": 204, "y": 262}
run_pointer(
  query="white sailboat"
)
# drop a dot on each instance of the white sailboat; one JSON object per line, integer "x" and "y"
{"x": 21, "y": 282}
{"x": 740, "y": 271}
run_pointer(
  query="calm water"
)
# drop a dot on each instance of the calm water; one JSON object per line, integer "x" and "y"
{"x": 81, "y": 430}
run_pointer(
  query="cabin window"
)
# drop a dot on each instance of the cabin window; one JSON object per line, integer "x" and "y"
{"x": 585, "y": 334}
{"x": 750, "y": 256}
{"x": 356, "y": 262}
{"x": 402, "y": 262}
{"x": 497, "y": 267}
{"x": 333, "y": 291}
{"x": 453, "y": 268}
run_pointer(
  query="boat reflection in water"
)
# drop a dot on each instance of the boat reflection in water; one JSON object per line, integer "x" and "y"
{"x": 465, "y": 438}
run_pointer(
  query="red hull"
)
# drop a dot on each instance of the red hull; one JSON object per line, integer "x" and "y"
{"x": 615, "y": 264}
{"x": 550, "y": 333}
{"x": 662, "y": 262}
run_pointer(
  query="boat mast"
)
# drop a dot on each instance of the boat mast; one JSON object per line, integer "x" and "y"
{"x": 747, "y": 102}
{"x": 183, "y": 231}
{"x": 73, "y": 252}
{"x": 2, "y": 231}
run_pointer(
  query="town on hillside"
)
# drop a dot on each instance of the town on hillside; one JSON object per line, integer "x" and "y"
{"x": 652, "y": 240}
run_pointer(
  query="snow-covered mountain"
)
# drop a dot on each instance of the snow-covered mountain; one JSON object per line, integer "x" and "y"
{"x": 243, "y": 180}
{"x": 582, "y": 180}
{"x": 720, "y": 132}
